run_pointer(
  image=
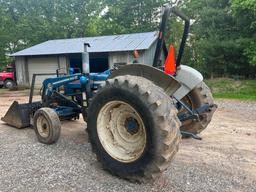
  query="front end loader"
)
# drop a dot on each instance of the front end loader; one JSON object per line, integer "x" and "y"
{"x": 135, "y": 114}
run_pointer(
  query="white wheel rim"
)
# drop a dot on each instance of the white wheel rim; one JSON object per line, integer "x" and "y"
{"x": 43, "y": 126}
{"x": 121, "y": 131}
{"x": 8, "y": 84}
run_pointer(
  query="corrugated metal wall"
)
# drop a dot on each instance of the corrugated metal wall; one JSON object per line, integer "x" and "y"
{"x": 21, "y": 72}
{"x": 146, "y": 57}
{"x": 27, "y": 66}
{"x": 41, "y": 65}
{"x": 150, "y": 54}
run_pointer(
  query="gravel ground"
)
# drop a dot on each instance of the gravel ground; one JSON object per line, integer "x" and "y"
{"x": 225, "y": 160}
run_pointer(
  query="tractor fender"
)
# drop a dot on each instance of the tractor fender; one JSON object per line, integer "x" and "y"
{"x": 189, "y": 78}
{"x": 168, "y": 83}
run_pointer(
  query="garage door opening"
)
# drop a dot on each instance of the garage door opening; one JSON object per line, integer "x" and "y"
{"x": 41, "y": 65}
{"x": 75, "y": 61}
{"x": 98, "y": 62}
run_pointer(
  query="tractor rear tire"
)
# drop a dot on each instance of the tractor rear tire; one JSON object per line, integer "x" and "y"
{"x": 47, "y": 125}
{"x": 199, "y": 96}
{"x": 133, "y": 128}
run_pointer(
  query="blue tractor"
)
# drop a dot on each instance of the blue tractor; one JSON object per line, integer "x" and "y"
{"x": 135, "y": 113}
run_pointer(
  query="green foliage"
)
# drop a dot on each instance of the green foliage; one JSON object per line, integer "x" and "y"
{"x": 244, "y": 4}
{"x": 245, "y": 10}
{"x": 250, "y": 52}
{"x": 24, "y": 23}
{"x": 233, "y": 89}
{"x": 222, "y": 40}
{"x": 127, "y": 16}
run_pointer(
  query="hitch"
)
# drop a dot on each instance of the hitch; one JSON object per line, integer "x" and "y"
{"x": 193, "y": 114}
{"x": 188, "y": 134}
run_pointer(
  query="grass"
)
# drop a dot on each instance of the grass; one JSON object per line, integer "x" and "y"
{"x": 233, "y": 89}
{"x": 6, "y": 91}
{"x": 2, "y": 90}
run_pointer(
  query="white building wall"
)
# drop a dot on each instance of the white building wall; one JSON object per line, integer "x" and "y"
{"x": 150, "y": 54}
{"x": 125, "y": 58}
{"x": 145, "y": 57}
{"x": 27, "y": 66}
{"x": 21, "y": 72}
{"x": 63, "y": 64}
{"x": 40, "y": 65}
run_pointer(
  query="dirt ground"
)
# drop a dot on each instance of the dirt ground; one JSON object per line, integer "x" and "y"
{"x": 225, "y": 160}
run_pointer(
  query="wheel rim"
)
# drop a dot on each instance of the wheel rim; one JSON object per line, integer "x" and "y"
{"x": 8, "y": 84}
{"x": 43, "y": 126}
{"x": 121, "y": 131}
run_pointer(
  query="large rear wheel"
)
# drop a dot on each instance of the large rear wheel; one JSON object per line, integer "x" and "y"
{"x": 133, "y": 128}
{"x": 199, "y": 96}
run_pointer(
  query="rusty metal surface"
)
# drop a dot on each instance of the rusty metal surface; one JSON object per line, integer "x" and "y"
{"x": 18, "y": 115}
{"x": 168, "y": 83}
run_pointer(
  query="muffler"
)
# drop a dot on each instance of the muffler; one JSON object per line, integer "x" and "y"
{"x": 18, "y": 115}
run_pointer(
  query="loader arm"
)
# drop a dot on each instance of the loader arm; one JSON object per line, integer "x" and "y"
{"x": 51, "y": 84}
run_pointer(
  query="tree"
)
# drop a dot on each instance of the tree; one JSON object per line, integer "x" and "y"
{"x": 217, "y": 36}
{"x": 27, "y": 22}
{"x": 126, "y": 16}
{"x": 222, "y": 40}
{"x": 245, "y": 11}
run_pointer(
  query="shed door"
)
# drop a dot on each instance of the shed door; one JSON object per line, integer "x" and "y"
{"x": 41, "y": 65}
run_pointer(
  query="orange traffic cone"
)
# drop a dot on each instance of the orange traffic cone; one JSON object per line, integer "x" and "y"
{"x": 170, "y": 66}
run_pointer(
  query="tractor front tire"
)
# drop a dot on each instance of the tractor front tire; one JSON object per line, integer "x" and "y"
{"x": 199, "y": 96}
{"x": 133, "y": 128}
{"x": 47, "y": 125}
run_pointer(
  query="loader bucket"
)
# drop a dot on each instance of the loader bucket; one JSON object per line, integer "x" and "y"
{"x": 18, "y": 115}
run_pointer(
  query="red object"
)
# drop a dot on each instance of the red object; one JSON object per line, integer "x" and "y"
{"x": 135, "y": 54}
{"x": 170, "y": 65}
{"x": 7, "y": 74}
{"x": 160, "y": 35}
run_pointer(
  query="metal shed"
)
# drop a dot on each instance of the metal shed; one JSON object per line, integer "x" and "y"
{"x": 105, "y": 52}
